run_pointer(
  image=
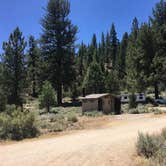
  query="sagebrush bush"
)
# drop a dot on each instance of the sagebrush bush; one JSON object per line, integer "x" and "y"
{"x": 149, "y": 145}
{"x": 134, "y": 111}
{"x": 158, "y": 111}
{"x": 54, "y": 124}
{"x": 72, "y": 118}
{"x": 93, "y": 113}
{"x": 18, "y": 125}
{"x": 159, "y": 159}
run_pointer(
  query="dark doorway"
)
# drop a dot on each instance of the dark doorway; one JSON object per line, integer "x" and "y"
{"x": 117, "y": 106}
{"x": 100, "y": 105}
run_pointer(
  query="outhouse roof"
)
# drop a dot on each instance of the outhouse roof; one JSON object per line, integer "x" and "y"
{"x": 95, "y": 96}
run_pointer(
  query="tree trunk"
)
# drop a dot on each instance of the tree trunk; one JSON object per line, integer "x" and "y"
{"x": 48, "y": 109}
{"x": 156, "y": 90}
{"x": 59, "y": 94}
{"x": 34, "y": 94}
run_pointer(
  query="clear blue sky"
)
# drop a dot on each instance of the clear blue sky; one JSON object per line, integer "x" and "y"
{"x": 91, "y": 16}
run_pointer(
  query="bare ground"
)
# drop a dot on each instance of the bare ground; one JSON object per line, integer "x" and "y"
{"x": 112, "y": 144}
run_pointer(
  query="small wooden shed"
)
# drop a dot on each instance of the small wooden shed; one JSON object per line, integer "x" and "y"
{"x": 106, "y": 103}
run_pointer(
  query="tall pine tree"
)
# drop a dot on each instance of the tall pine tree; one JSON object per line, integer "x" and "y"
{"x": 113, "y": 45}
{"x": 58, "y": 38}
{"x": 14, "y": 67}
{"x": 33, "y": 66}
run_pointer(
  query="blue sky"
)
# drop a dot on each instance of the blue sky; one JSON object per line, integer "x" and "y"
{"x": 91, "y": 16}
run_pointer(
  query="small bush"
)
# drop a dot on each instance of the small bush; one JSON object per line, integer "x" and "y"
{"x": 72, "y": 118}
{"x": 10, "y": 108}
{"x": 56, "y": 124}
{"x": 17, "y": 125}
{"x": 143, "y": 109}
{"x": 149, "y": 145}
{"x": 93, "y": 113}
{"x": 134, "y": 111}
{"x": 158, "y": 111}
{"x": 159, "y": 159}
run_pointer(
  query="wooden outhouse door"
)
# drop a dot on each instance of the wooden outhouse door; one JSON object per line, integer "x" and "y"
{"x": 100, "y": 105}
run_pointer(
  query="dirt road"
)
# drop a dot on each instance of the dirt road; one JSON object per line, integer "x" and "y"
{"x": 112, "y": 145}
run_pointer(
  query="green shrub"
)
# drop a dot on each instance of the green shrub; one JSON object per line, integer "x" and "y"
{"x": 143, "y": 109}
{"x": 10, "y": 108}
{"x": 125, "y": 108}
{"x": 158, "y": 111}
{"x": 18, "y": 125}
{"x": 47, "y": 97}
{"x": 134, "y": 111}
{"x": 139, "y": 110}
{"x": 93, "y": 113}
{"x": 55, "y": 124}
{"x": 159, "y": 159}
{"x": 149, "y": 145}
{"x": 72, "y": 118}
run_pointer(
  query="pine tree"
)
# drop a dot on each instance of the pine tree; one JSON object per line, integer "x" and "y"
{"x": 121, "y": 60}
{"x": 146, "y": 53}
{"x": 3, "y": 98}
{"x": 93, "y": 48}
{"x": 103, "y": 45}
{"x": 113, "y": 45}
{"x": 94, "y": 79}
{"x": 58, "y": 44}
{"x": 47, "y": 97}
{"x": 131, "y": 59}
{"x": 33, "y": 65}
{"x": 102, "y": 51}
{"x": 158, "y": 21}
{"x": 14, "y": 67}
{"x": 159, "y": 14}
{"x": 112, "y": 83}
{"x": 107, "y": 49}
{"x": 81, "y": 59}
{"x": 134, "y": 30}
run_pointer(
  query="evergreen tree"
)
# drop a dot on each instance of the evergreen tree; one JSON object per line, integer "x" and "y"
{"x": 14, "y": 67}
{"x": 47, "y": 97}
{"x": 131, "y": 59}
{"x": 113, "y": 45}
{"x": 158, "y": 21}
{"x": 3, "y": 98}
{"x": 134, "y": 30}
{"x": 82, "y": 59}
{"x": 121, "y": 59}
{"x": 103, "y": 45}
{"x": 159, "y": 61}
{"x": 94, "y": 79}
{"x": 33, "y": 65}
{"x": 93, "y": 48}
{"x": 159, "y": 14}
{"x": 112, "y": 83}
{"x": 146, "y": 53}
{"x": 102, "y": 51}
{"x": 107, "y": 49}
{"x": 58, "y": 44}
